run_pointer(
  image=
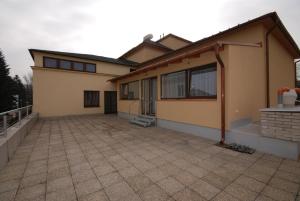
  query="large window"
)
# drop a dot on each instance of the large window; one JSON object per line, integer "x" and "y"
{"x": 203, "y": 82}
{"x": 173, "y": 85}
{"x": 198, "y": 82}
{"x": 69, "y": 65}
{"x": 130, "y": 91}
{"x": 91, "y": 98}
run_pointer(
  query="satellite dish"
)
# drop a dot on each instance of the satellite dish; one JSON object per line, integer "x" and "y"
{"x": 148, "y": 37}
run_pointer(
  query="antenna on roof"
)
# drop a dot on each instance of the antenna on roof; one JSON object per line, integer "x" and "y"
{"x": 148, "y": 37}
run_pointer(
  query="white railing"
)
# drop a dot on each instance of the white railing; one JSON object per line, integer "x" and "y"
{"x": 12, "y": 117}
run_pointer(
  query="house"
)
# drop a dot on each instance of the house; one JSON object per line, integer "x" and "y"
{"x": 205, "y": 87}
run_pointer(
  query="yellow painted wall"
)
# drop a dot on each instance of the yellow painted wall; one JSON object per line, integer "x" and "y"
{"x": 173, "y": 43}
{"x": 145, "y": 54}
{"x": 203, "y": 112}
{"x": 282, "y": 69}
{"x": 61, "y": 92}
{"x": 246, "y": 79}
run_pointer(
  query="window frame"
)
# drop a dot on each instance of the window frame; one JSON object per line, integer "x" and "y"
{"x": 91, "y": 106}
{"x": 127, "y": 83}
{"x": 58, "y": 60}
{"x": 188, "y": 82}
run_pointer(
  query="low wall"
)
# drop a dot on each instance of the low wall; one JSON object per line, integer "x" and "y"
{"x": 14, "y": 137}
{"x": 281, "y": 124}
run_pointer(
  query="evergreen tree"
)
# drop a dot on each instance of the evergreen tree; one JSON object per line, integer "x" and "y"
{"x": 19, "y": 89}
{"x": 6, "y": 83}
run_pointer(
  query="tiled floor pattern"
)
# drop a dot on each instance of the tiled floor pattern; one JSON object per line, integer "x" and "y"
{"x": 104, "y": 158}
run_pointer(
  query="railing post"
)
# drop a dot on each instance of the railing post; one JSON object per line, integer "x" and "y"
{"x": 27, "y": 108}
{"x": 19, "y": 117}
{"x": 4, "y": 125}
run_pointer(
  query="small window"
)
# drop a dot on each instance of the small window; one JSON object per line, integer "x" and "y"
{"x": 203, "y": 82}
{"x": 50, "y": 63}
{"x": 91, "y": 98}
{"x": 78, "y": 66}
{"x": 130, "y": 91}
{"x": 90, "y": 68}
{"x": 65, "y": 64}
{"x": 174, "y": 85}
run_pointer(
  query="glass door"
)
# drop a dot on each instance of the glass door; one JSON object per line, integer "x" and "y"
{"x": 149, "y": 96}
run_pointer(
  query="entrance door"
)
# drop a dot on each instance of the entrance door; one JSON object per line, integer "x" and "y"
{"x": 149, "y": 96}
{"x": 110, "y": 101}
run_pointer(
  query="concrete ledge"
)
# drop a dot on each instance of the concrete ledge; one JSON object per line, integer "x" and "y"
{"x": 15, "y": 136}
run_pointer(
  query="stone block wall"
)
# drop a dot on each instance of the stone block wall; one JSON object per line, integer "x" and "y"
{"x": 281, "y": 125}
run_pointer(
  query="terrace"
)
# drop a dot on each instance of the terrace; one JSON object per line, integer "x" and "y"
{"x": 103, "y": 157}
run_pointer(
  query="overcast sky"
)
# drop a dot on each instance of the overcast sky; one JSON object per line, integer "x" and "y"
{"x": 110, "y": 27}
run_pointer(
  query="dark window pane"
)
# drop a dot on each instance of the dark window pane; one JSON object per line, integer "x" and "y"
{"x": 50, "y": 63}
{"x": 91, "y": 98}
{"x": 78, "y": 66}
{"x": 90, "y": 68}
{"x": 203, "y": 82}
{"x": 124, "y": 91}
{"x": 65, "y": 64}
{"x": 133, "y": 90}
{"x": 174, "y": 85}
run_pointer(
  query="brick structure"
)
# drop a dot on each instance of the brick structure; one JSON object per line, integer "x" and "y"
{"x": 281, "y": 123}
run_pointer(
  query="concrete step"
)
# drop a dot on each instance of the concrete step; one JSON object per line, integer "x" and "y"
{"x": 140, "y": 123}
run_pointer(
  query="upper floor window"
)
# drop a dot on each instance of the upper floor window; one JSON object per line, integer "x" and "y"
{"x": 50, "y": 62}
{"x": 69, "y": 65}
{"x": 78, "y": 66}
{"x": 90, "y": 68}
{"x": 130, "y": 91}
{"x": 65, "y": 64}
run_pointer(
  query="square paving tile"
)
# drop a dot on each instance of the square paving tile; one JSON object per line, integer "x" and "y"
{"x": 119, "y": 191}
{"x": 188, "y": 195}
{"x": 170, "y": 185}
{"x": 205, "y": 189}
{"x": 87, "y": 187}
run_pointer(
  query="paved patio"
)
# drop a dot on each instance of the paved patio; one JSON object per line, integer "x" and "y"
{"x": 105, "y": 158}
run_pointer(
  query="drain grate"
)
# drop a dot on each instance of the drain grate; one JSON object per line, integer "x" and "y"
{"x": 237, "y": 147}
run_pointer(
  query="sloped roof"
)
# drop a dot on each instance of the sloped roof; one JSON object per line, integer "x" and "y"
{"x": 146, "y": 43}
{"x": 86, "y": 56}
{"x": 174, "y": 36}
{"x": 273, "y": 16}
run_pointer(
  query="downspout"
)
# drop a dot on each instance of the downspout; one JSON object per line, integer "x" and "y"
{"x": 268, "y": 64}
{"x": 296, "y": 73}
{"x": 217, "y": 53}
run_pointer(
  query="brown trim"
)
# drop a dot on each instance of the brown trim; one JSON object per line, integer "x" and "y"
{"x": 58, "y": 60}
{"x": 91, "y": 106}
{"x": 273, "y": 16}
{"x": 128, "y": 90}
{"x": 164, "y": 63}
{"x": 172, "y": 35}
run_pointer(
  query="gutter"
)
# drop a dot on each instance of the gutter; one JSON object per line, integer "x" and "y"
{"x": 268, "y": 64}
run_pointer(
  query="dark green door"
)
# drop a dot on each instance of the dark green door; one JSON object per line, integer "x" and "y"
{"x": 110, "y": 101}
